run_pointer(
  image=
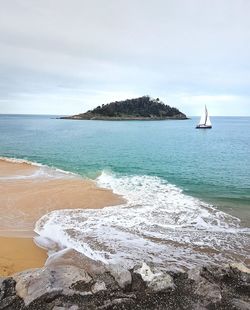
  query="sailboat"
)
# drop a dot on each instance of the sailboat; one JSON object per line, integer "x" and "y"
{"x": 205, "y": 122}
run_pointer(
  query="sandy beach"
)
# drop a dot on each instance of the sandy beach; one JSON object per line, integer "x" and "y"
{"x": 19, "y": 254}
{"x": 25, "y": 195}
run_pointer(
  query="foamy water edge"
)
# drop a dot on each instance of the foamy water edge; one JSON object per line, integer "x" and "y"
{"x": 44, "y": 171}
{"x": 158, "y": 223}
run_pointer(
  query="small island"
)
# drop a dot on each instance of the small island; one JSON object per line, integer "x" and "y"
{"x": 142, "y": 108}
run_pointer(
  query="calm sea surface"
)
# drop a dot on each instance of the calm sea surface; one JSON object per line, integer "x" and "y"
{"x": 176, "y": 180}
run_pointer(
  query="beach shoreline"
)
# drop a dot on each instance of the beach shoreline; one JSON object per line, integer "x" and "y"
{"x": 30, "y": 191}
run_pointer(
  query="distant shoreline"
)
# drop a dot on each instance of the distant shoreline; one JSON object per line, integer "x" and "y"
{"x": 123, "y": 118}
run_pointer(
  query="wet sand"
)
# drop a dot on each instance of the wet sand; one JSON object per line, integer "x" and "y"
{"x": 10, "y": 168}
{"x": 17, "y": 254}
{"x": 26, "y": 195}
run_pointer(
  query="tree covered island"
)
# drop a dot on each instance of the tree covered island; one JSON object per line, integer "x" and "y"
{"x": 142, "y": 108}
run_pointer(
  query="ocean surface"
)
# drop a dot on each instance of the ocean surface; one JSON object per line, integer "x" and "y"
{"x": 187, "y": 190}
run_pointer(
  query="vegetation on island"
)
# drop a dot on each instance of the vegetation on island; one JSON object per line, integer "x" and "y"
{"x": 142, "y": 108}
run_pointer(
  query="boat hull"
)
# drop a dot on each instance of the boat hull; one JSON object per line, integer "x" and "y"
{"x": 203, "y": 127}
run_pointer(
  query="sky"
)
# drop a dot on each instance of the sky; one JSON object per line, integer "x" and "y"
{"x": 66, "y": 57}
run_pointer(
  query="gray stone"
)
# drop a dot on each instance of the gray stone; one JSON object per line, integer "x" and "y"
{"x": 11, "y": 302}
{"x": 2, "y": 288}
{"x": 155, "y": 281}
{"x": 94, "y": 268}
{"x": 241, "y": 304}
{"x": 194, "y": 274}
{"x": 73, "y": 258}
{"x": 115, "y": 303}
{"x": 32, "y": 284}
{"x": 74, "y": 307}
{"x": 121, "y": 275}
{"x": 210, "y": 292}
{"x": 241, "y": 267}
{"x": 138, "y": 285}
{"x": 161, "y": 283}
{"x": 98, "y": 286}
{"x": 109, "y": 281}
{"x": 145, "y": 272}
{"x": 174, "y": 270}
{"x": 61, "y": 287}
{"x": 7, "y": 287}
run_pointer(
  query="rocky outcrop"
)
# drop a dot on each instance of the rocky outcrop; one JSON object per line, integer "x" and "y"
{"x": 62, "y": 286}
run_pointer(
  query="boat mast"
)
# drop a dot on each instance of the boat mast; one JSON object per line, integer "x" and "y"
{"x": 205, "y": 115}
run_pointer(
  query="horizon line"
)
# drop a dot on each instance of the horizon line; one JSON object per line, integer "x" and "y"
{"x": 40, "y": 114}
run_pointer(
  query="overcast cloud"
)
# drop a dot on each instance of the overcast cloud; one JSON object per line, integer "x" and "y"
{"x": 67, "y": 56}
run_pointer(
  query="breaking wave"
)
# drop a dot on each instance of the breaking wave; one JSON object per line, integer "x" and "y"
{"x": 158, "y": 223}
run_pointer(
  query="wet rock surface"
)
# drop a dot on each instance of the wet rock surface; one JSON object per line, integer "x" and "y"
{"x": 59, "y": 287}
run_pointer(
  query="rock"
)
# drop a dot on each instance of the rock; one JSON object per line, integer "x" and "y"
{"x": 59, "y": 287}
{"x": 175, "y": 271}
{"x": 205, "y": 283}
{"x": 137, "y": 283}
{"x": 11, "y": 302}
{"x": 145, "y": 272}
{"x": 209, "y": 292}
{"x": 74, "y": 307}
{"x": 121, "y": 275}
{"x": 34, "y": 283}
{"x": 2, "y": 288}
{"x": 98, "y": 286}
{"x": 73, "y": 258}
{"x": 109, "y": 281}
{"x": 194, "y": 274}
{"x": 241, "y": 267}
{"x": 94, "y": 268}
{"x": 118, "y": 303}
{"x": 8, "y": 298}
{"x": 161, "y": 283}
{"x": 155, "y": 281}
{"x": 240, "y": 304}
{"x": 198, "y": 306}
{"x": 236, "y": 280}
{"x": 7, "y": 287}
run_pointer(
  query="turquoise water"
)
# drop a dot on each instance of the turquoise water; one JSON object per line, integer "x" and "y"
{"x": 211, "y": 164}
{"x": 170, "y": 174}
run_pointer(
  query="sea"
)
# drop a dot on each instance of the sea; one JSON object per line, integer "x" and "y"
{"x": 187, "y": 190}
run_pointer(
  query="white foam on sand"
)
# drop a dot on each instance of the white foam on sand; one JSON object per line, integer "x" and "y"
{"x": 43, "y": 171}
{"x": 159, "y": 223}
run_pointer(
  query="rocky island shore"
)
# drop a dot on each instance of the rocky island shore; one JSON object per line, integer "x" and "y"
{"x": 88, "y": 284}
{"x": 142, "y": 108}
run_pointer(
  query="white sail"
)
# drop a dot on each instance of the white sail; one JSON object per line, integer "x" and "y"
{"x": 208, "y": 122}
{"x": 203, "y": 118}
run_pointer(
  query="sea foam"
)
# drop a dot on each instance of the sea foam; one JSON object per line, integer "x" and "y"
{"x": 158, "y": 223}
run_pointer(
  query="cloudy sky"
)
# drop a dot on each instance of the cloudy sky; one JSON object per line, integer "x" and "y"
{"x": 67, "y": 56}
